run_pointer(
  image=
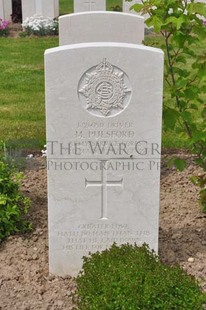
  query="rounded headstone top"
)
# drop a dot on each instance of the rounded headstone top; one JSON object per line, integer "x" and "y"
{"x": 101, "y": 26}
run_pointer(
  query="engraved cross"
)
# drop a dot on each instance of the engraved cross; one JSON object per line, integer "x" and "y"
{"x": 90, "y": 2}
{"x": 104, "y": 183}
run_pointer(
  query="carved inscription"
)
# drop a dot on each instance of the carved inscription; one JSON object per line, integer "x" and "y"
{"x": 97, "y": 237}
{"x": 103, "y": 90}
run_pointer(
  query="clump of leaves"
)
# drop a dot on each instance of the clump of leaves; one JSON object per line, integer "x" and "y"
{"x": 116, "y": 8}
{"x": 181, "y": 24}
{"x": 200, "y": 181}
{"x": 129, "y": 277}
{"x": 13, "y": 205}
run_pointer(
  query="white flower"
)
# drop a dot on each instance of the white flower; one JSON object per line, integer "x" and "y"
{"x": 44, "y": 152}
{"x": 37, "y": 23}
{"x": 29, "y": 156}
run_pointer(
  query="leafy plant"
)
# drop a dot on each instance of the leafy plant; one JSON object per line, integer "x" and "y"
{"x": 4, "y": 29}
{"x": 200, "y": 181}
{"x": 182, "y": 26}
{"x": 131, "y": 278}
{"x": 40, "y": 26}
{"x": 116, "y": 8}
{"x": 13, "y": 205}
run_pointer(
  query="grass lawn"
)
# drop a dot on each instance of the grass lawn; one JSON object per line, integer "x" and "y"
{"x": 65, "y": 6}
{"x": 22, "y": 103}
{"x": 22, "y": 100}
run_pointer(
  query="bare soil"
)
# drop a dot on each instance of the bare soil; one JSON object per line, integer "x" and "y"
{"x": 25, "y": 283}
{"x": 15, "y": 29}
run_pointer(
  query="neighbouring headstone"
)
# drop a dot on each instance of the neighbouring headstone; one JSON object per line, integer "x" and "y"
{"x": 103, "y": 110}
{"x": 5, "y": 9}
{"x": 89, "y": 5}
{"x": 109, "y": 26}
{"x": 46, "y": 8}
{"x": 127, "y": 5}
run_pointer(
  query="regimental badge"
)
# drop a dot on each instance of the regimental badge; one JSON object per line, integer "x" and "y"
{"x": 104, "y": 90}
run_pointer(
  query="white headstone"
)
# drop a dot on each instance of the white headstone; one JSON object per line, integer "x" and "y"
{"x": 38, "y": 7}
{"x": 5, "y": 9}
{"x": 46, "y": 8}
{"x": 127, "y": 5}
{"x": 109, "y": 27}
{"x": 56, "y": 8}
{"x": 50, "y": 8}
{"x": 89, "y": 5}
{"x": 103, "y": 107}
{"x": 28, "y": 8}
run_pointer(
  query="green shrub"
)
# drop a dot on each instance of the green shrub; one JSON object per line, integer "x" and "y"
{"x": 116, "y": 8}
{"x": 200, "y": 181}
{"x": 131, "y": 278}
{"x": 183, "y": 28}
{"x": 13, "y": 205}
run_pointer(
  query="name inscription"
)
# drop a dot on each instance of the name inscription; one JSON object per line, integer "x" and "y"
{"x": 97, "y": 237}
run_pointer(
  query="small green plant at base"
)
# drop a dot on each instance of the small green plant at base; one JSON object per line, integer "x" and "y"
{"x": 116, "y": 8}
{"x": 13, "y": 205}
{"x": 200, "y": 181}
{"x": 129, "y": 277}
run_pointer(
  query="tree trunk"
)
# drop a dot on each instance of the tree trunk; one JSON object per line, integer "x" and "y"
{"x": 16, "y": 11}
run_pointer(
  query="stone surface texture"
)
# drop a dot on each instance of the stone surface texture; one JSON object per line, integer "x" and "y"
{"x": 46, "y": 8}
{"x": 109, "y": 26}
{"x": 89, "y": 5}
{"x": 103, "y": 103}
{"x": 127, "y": 5}
{"x": 5, "y": 9}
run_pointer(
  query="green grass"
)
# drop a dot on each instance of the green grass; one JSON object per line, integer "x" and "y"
{"x": 22, "y": 103}
{"x": 113, "y": 3}
{"x": 22, "y": 100}
{"x": 65, "y": 6}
